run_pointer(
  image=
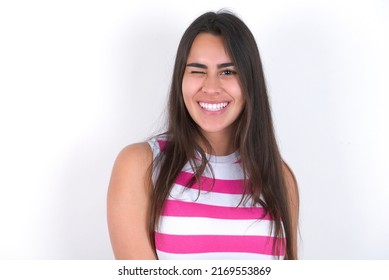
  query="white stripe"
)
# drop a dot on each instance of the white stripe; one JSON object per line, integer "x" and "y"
{"x": 223, "y": 171}
{"x": 154, "y": 147}
{"x": 209, "y": 226}
{"x": 181, "y": 193}
{"x": 156, "y": 150}
{"x": 220, "y": 171}
{"x": 214, "y": 256}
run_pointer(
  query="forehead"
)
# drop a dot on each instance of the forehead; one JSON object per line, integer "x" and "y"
{"x": 207, "y": 46}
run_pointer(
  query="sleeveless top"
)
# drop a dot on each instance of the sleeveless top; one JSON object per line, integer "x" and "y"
{"x": 211, "y": 221}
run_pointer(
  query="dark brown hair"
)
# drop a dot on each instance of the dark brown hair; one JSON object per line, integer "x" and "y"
{"x": 254, "y": 134}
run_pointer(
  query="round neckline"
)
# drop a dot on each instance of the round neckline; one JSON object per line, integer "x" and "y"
{"x": 231, "y": 158}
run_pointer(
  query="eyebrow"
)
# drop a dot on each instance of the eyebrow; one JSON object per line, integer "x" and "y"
{"x": 203, "y": 66}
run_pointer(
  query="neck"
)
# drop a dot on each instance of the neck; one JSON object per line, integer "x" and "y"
{"x": 221, "y": 143}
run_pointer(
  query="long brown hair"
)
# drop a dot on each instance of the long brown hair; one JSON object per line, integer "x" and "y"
{"x": 254, "y": 136}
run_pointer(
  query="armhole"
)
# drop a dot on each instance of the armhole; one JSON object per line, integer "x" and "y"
{"x": 155, "y": 148}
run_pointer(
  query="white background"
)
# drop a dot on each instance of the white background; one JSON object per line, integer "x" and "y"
{"x": 79, "y": 80}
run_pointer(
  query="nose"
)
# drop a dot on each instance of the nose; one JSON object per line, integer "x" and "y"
{"x": 211, "y": 84}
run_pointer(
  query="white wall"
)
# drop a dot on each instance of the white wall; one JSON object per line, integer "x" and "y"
{"x": 79, "y": 80}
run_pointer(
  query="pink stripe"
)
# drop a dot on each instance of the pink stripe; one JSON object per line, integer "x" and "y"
{"x": 162, "y": 144}
{"x": 209, "y": 184}
{"x": 179, "y": 208}
{"x": 193, "y": 244}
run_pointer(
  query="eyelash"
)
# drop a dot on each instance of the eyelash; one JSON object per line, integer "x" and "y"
{"x": 197, "y": 72}
{"x": 226, "y": 72}
{"x": 230, "y": 72}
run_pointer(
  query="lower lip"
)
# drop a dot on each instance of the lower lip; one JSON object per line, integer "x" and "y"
{"x": 214, "y": 112}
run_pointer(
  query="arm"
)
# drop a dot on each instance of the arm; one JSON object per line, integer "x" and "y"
{"x": 128, "y": 203}
{"x": 294, "y": 204}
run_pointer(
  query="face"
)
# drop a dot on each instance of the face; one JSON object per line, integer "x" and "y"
{"x": 211, "y": 87}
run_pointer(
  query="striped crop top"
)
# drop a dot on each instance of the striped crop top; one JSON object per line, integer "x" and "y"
{"x": 213, "y": 223}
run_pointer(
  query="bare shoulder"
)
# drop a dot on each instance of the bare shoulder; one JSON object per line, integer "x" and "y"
{"x": 130, "y": 173}
{"x": 138, "y": 154}
{"x": 291, "y": 187}
{"x": 131, "y": 166}
{"x": 128, "y": 203}
{"x": 294, "y": 203}
{"x": 290, "y": 179}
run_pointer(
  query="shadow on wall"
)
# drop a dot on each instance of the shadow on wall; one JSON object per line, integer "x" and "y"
{"x": 133, "y": 113}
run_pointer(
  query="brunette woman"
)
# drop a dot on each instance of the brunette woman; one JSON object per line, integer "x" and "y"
{"x": 214, "y": 185}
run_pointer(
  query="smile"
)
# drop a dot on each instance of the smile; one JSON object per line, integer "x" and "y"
{"x": 214, "y": 106}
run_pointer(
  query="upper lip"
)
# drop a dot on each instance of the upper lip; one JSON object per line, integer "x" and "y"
{"x": 213, "y": 102}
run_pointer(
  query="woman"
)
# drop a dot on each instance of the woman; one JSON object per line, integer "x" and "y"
{"x": 214, "y": 186}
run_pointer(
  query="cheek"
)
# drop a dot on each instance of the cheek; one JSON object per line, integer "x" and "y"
{"x": 185, "y": 86}
{"x": 185, "y": 92}
{"x": 240, "y": 99}
{"x": 190, "y": 86}
{"x": 237, "y": 93}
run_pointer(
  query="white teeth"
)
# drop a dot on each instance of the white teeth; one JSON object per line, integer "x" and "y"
{"x": 213, "y": 107}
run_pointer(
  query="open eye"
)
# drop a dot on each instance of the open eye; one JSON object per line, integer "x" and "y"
{"x": 228, "y": 72}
